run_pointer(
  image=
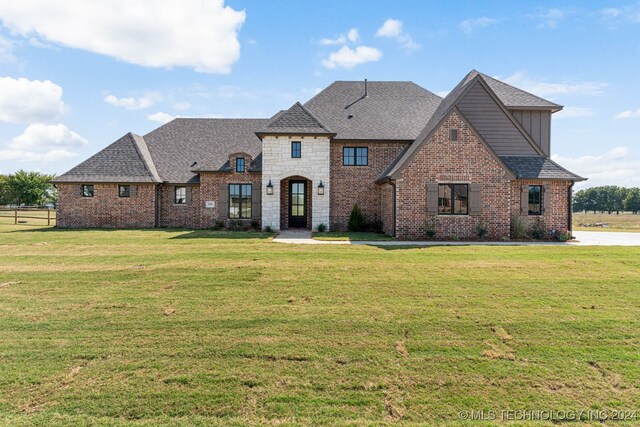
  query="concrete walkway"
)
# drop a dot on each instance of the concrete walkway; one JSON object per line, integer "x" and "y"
{"x": 582, "y": 238}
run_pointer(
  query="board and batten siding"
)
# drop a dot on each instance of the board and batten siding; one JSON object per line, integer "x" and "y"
{"x": 493, "y": 123}
{"x": 538, "y": 124}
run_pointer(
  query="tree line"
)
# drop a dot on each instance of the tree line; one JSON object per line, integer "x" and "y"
{"x": 24, "y": 188}
{"x": 609, "y": 198}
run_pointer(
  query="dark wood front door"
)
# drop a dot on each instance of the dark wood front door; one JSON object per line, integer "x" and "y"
{"x": 298, "y": 204}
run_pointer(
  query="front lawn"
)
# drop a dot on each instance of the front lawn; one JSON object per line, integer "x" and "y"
{"x": 178, "y": 327}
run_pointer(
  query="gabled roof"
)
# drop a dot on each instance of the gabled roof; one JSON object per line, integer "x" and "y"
{"x": 176, "y": 146}
{"x": 515, "y": 98}
{"x": 390, "y": 111}
{"x": 296, "y": 120}
{"x": 538, "y": 168}
{"x": 447, "y": 104}
{"x": 127, "y": 160}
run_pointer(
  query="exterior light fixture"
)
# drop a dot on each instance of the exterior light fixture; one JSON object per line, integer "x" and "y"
{"x": 321, "y": 188}
{"x": 269, "y": 188}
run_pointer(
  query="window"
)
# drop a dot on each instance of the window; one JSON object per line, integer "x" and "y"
{"x": 87, "y": 190}
{"x": 296, "y": 149}
{"x": 453, "y": 135}
{"x": 240, "y": 201}
{"x": 535, "y": 200}
{"x": 355, "y": 156}
{"x": 180, "y": 196}
{"x": 124, "y": 190}
{"x": 240, "y": 165}
{"x": 453, "y": 199}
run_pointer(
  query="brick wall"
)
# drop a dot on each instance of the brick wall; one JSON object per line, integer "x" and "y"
{"x": 555, "y": 216}
{"x": 386, "y": 209}
{"x": 443, "y": 161}
{"x": 356, "y": 184}
{"x": 179, "y": 215}
{"x": 105, "y": 209}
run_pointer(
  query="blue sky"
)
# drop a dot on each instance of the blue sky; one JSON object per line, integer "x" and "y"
{"x": 77, "y": 75}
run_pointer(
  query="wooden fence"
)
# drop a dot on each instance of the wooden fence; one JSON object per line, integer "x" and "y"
{"x": 28, "y": 215}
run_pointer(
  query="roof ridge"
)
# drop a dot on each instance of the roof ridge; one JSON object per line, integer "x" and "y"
{"x": 488, "y": 77}
{"x": 143, "y": 151}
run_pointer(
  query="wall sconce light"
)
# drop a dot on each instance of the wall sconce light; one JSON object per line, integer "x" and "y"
{"x": 269, "y": 188}
{"x": 320, "y": 188}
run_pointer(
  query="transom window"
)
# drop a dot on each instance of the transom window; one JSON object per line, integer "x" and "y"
{"x": 180, "y": 196}
{"x": 453, "y": 199}
{"x": 240, "y": 201}
{"x": 296, "y": 149}
{"x": 240, "y": 164}
{"x": 87, "y": 190}
{"x": 124, "y": 190}
{"x": 355, "y": 156}
{"x": 535, "y": 200}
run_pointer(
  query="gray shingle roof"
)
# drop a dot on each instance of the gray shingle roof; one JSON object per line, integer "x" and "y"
{"x": 391, "y": 110}
{"x": 538, "y": 168}
{"x": 176, "y": 146}
{"x": 296, "y": 119}
{"x": 126, "y": 160}
{"x": 512, "y": 97}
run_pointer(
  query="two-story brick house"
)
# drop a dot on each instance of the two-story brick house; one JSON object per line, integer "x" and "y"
{"x": 402, "y": 153}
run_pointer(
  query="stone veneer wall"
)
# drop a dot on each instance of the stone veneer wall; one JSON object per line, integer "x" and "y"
{"x": 356, "y": 184}
{"x": 443, "y": 161}
{"x": 555, "y": 216}
{"x": 105, "y": 209}
{"x": 278, "y": 165}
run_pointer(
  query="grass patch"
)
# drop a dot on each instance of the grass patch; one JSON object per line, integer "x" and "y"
{"x": 351, "y": 236}
{"x": 624, "y": 221}
{"x": 148, "y": 327}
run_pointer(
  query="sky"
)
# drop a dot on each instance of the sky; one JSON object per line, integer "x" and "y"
{"x": 76, "y": 75}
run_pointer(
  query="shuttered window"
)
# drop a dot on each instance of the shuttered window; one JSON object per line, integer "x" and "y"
{"x": 180, "y": 196}
{"x": 240, "y": 201}
{"x": 535, "y": 200}
{"x": 453, "y": 199}
{"x": 87, "y": 190}
{"x": 124, "y": 190}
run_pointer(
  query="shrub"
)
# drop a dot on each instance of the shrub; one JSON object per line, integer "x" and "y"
{"x": 218, "y": 225}
{"x": 268, "y": 229}
{"x": 235, "y": 225}
{"x": 563, "y": 237}
{"x": 430, "y": 227}
{"x": 322, "y": 228}
{"x": 538, "y": 229}
{"x": 356, "y": 222}
{"x": 518, "y": 227}
{"x": 374, "y": 226}
{"x": 482, "y": 229}
{"x": 255, "y": 225}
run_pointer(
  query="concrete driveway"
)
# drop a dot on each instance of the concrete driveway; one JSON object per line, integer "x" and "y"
{"x": 605, "y": 238}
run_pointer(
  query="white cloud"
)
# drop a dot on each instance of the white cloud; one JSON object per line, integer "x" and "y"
{"x": 6, "y": 50}
{"x": 392, "y": 28}
{"x": 199, "y": 34}
{"x": 615, "y": 167}
{"x": 349, "y": 58}
{"x": 352, "y": 36}
{"x": 133, "y": 103}
{"x": 550, "y": 17}
{"x": 43, "y": 143}
{"x": 469, "y": 25}
{"x": 629, "y": 13}
{"x": 541, "y": 88}
{"x": 182, "y": 105}
{"x": 27, "y": 101}
{"x": 574, "y": 112}
{"x": 628, "y": 114}
{"x": 161, "y": 117}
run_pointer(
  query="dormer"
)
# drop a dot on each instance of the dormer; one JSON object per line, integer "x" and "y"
{"x": 239, "y": 162}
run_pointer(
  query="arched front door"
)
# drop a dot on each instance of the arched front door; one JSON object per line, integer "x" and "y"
{"x": 298, "y": 203}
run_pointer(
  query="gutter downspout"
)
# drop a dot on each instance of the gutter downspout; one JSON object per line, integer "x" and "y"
{"x": 156, "y": 220}
{"x": 570, "y": 208}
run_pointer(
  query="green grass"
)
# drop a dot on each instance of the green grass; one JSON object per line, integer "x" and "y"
{"x": 625, "y": 221}
{"x": 213, "y": 328}
{"x": 352, "y": 236}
